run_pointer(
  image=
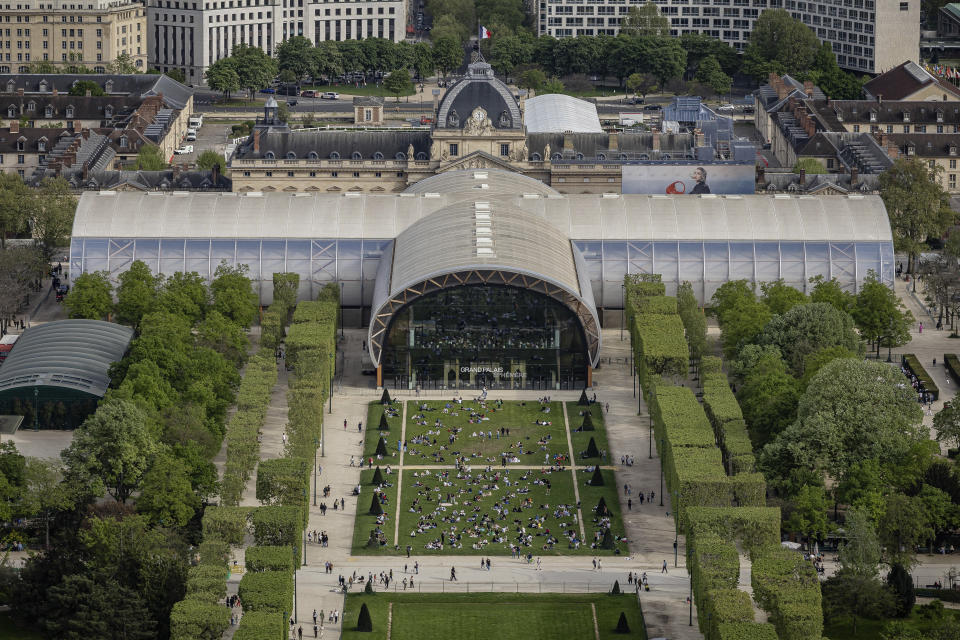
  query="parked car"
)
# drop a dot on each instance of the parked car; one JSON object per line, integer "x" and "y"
{"x": 653, "y": 107}
{"x": 426, "y": 120}
{"x": 268, "y": 90}
{"x": 330, "y": 95}
{"x": 291, "y": 103}
{"x": 309, "y": 93}
{"x": 635, "y": 101}
{"x": 191, "y": 135}
{"x": 187, "y": 148}
{"x": 726, "y": 108}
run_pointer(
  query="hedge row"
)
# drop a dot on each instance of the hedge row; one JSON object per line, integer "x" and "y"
{"x": 278, "y": 526}
{"x": 724, "y": 606}
{"x": 786, "y": 586}
{"x": 657, "y": 305}
{"x": 274, "y": 320}
{"x": 746, "y": 631}
{"x": 952, "y": 363}
{"x": 197, "y": 620}
{"x": 725, "y": 416}
{"x": 207, "y": 583}
{"x": 226, "y": 524}
{"x": 270, "y": 558}
{"x": 660, "y": 347}
{"x": 243, "y": 448}
{"x": 714, "y": 564}
{"x": 262, "y": 625}
{"x": 284, "y": 481}
{"x": 269, "y": 591}
{"x": 913, "y": 364}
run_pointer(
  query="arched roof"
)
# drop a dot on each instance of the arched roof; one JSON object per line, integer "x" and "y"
{"x": 482, "y": 183}
{"x": 481, "y": 242}
{"x": 479, "y": 88}
{"x": 74, "y": 354}
{"x": 558, "y": 113}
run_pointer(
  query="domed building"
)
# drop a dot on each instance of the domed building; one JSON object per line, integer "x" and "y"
{"x": 478, "y": 123}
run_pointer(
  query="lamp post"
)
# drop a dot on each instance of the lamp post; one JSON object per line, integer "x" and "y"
{"x": 623, "y": 309}
{"x": 316, "y": 445}
{"x": 690, "y": 577}
{"x": 676, "y": 526}
{"x": 660, "y": 453}
{"x": 305, "y": 530}
{"x": 332, "y": 356}
{"x": 295, "y": 608}
{"x": 341, "y": 309}
{"x": 650, "y": 436}
{"x": 36, "y": 408}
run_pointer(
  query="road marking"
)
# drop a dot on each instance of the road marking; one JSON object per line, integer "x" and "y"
{"x": 573, "y": 470}
{"x": 596, "y": 627}
{"x": 389, "y": 619}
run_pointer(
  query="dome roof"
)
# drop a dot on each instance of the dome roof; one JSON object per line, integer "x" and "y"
{"x": 479, "y": 88}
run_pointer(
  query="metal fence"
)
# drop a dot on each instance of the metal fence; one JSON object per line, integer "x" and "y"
{"x": 467, "y": 586}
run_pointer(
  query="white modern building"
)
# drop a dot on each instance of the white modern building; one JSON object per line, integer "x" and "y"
{"x": 190, "y": 35}
{"x": 871, "y": 36}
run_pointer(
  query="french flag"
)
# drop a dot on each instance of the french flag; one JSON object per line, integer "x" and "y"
{"x": 484, "y": 33}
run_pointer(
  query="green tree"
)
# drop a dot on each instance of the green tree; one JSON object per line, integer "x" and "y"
{"x": 864, "y": 487}
{"x": 768, "y": 396}
{"x": 15, "y": 199}
{"x": 399, "y": 83}
{"x": 645, "y": 21}
{"x": 818, "y": 359}
{"x": 781, "y": 297}
{"x": 150, "y": 158}
{"x": 222, "y": 76}
{"x": 294, "y": 55}
{"x": 534, "y": 79}
{"x": 51, "y": 214}
{"x": 849, "y": 596}
{"x": 879, "y": 314}
{"x": 903, "y": 526}
{"x": 20, "y": 269}
{"x": 939, "y": 512}
{"x": 423, "y": 60}
{"x": 916, "y": 203}
{"x": 860, "y": 553}
{"x": 223, "y": 336}
{"x": 711, "y": 74}
{"x": 507, "y": 52}
{"x": 832, "y": 293}
{"x": 700, "y": 45}
{"x": 178, "y": 75}
{"x": 781, "y": 44}
{"x": 123, "y": 63}
{"x": 327, "y": 60}
{"x": 807, "y": 328}
{"x": 255, "y": 68}
{"x": 553, "y": 85}
{"x": 694, "y": 321}
{"x": 80, "y": 88}
{"x": 808, "y": 513}
{"x": 809, "y": 166}
{"x": 137, "y": 293}
{"x": 901, "y": 585}
{"x": 44, "y": 492}
{"x": 233, "y": 294}
{"x": 447, "y": 54}
{"x": 185, "y": 294}
{"x": 111, "y": 450}
{"x": 166, "y": 495}
{"x": 947, "y": 424}
{"x": 852, "y": 410}
{"x": 209, "y": 158}
{"x": 86, "y": 606}
{"x": 90, "y": 297}
{"x": 641, "y": 84}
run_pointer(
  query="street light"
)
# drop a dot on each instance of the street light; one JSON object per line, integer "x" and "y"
{"x": 623, "y": 305}
{"x": 650, "y": 434}
{"x": 690, "y": 577}
{"x": 341, "y": 309}
{"x": 676, "y": 526}
{"x": 332, "y": 356}
{"x": 316, "y": 445}
{"x": 660, "y": 453}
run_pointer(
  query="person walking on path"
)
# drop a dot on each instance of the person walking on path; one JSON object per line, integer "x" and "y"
{"x": 629, "y": 504}
{"x": 599, "y": 564}
{"x": 453, "y": 574}
{"x": 344, "y": 424}
{"x": 360, "y": 426}
{"x": 664, "y": 568}
{"x": 539, "y": 568}
{"x": 594, "y": 563}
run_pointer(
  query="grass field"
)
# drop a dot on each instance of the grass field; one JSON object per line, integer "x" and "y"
{"x": 372, "y": 434}
{"x": 871, "y": 629}
{"x": 504, "y": 616}
{"x": 370, "y": 89}
{"x": 365, "y": 523}
{"x": 461, "y": 426}
{"x": 582, "y": 438}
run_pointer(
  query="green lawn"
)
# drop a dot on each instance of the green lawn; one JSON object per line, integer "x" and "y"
{"x": 504, "y": 616}
{"x": 871, "y": 629}
{"x": 365, "y": 523}
{"x": 582, "y": 438}
{"x": 9, "y": 630}
{"x": 373, "y": 434}
{"x": 461, "y": 425}
{"x": 348, "y": 89}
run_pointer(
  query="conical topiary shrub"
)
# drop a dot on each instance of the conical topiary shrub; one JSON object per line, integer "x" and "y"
{"x": 583, "y": 401}
{"x": 587, "y": 423}
{"x": 592, "y": 451}
{"x": 601, "y": 507}
{"x": 622, "y": 626}
{"x": 616, "y": 588}
{"x": 368, "y": 588}
{"x": 607, "y": 542}
{"x": 381, "y": 447}
{"x": 385, "y": 398}
{"x": 384, "y": 425}
{"x": 377, "y": 478}
{"x": 597, "y": 479}
{"x": 375, "y": 508}
{"x": 364, "y": 623}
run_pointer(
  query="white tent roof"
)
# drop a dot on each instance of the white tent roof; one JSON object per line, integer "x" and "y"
{"x": 744, "y": 218}
{"x": 557, "y": 113}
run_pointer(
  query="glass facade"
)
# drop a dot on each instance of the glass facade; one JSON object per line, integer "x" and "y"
{"x": 354, "y": 262}
{"x": 485, "y": 335}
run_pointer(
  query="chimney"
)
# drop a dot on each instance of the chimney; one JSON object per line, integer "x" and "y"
{"x": 893, "y": 150}
{"x": 883, "y": 139}
{"x": 87, "y": 93}
{"x": 14, "y": 126}
{"x": 656, "y": 139}
{"x": 568, "y": 141}
{"x": 613, "y": 141}
{"x": 699, "y": 140}
{"x": 215, "y": 174}
{"x": 854, "y": 175}
{"x": 811, "y": 127}
{"x": 54, "y": 91}
{"x": 879, "y": 98}
{"x": 808, "y": 88}
{"x": 803, "y": 177}
{"x": 86, "y": 171}
{"x": 20, "y": 91}
{"x": 772, "y": 79}
{"x": 782, "y": 90}
{"x": 256, "y": 140}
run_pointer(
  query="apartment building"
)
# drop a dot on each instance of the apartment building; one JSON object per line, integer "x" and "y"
{"x": 190, "y": 35}
{"x": 854, "y": 28}
{"x": 88, "y": 32}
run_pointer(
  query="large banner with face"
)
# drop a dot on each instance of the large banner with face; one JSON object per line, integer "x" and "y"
{"x": 691, "y": 178}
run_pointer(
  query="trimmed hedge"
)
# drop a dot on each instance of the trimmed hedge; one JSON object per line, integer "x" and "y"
{"x": 952, "y": 363}
{"x": 278, "y": 526}
{"x": 786, "y": 586}
{"x": 660, "y": 347}
{"x": 746, "y": 631}
{"x": 284, "y": 481}
{"x": 913, "y": 364}
{"x": 196, "y": 620}
{"x": 270, "y": 558}
{"x": 262, "y": 625}
{"x": 267, "y": 591}
{"x": 214, "y": 553}
{"x": 723, "y": 606}
{"x": 947, "y": 595}
{"x": 710, "y": 364}
{"x": 657, "y": 305}
{"x": 727, "y": 421}
{"x": 679, "y": 418}
{"x": 754, "y": 527}
{"x": 207, "y": 583}
{"x": 227, "y": 524}
{"x": 714, "y": 564}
